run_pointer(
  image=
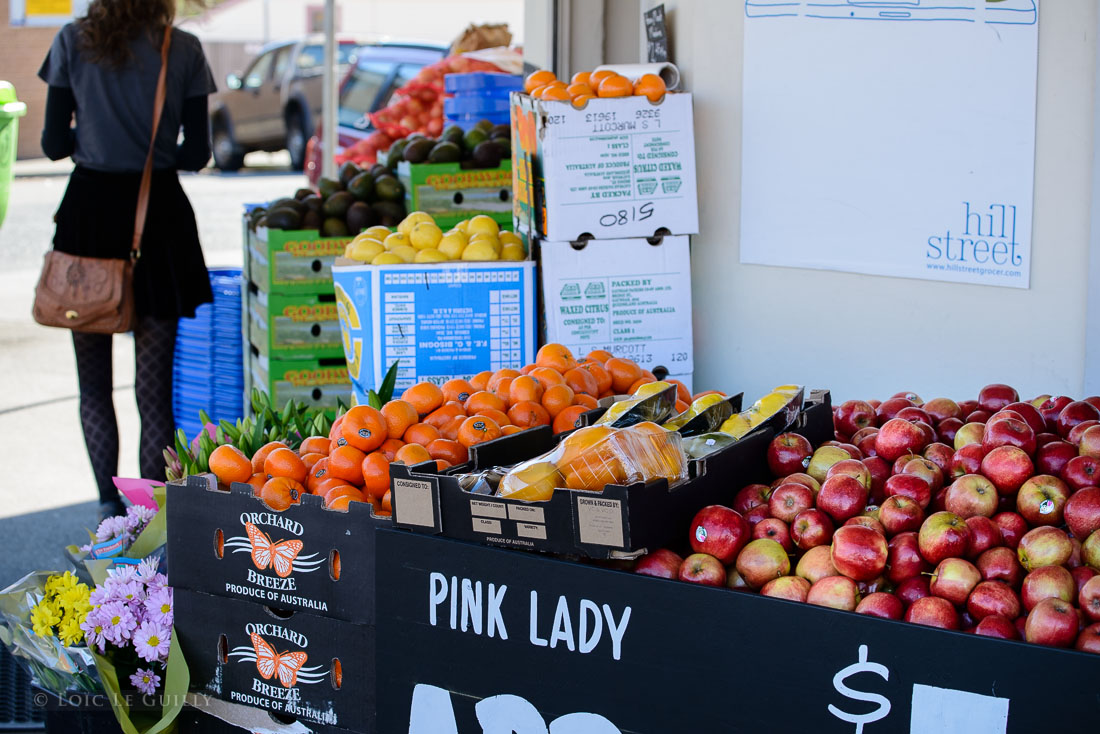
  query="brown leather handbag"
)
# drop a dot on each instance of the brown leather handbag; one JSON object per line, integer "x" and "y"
{"x": 95, "y": 294}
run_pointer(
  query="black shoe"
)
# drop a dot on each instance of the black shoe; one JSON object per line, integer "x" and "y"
{"x": 110, "y": 508}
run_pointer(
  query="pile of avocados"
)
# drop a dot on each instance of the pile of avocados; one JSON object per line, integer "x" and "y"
{"x": 357, "y": 200}
{"x": 484, "y": 146}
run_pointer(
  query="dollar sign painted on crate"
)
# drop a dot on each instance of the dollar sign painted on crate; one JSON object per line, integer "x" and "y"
{"x": 862, "y": 666}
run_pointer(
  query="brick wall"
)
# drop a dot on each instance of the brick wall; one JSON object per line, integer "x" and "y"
{"x": 21, "y": 53}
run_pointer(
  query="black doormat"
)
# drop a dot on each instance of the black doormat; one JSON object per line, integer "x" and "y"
{"x": 17, "y": 709}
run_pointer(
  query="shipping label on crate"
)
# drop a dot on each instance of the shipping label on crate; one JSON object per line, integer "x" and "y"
{"x": 294, "y": 326}
{"x": 293, "y": 261}
{"x": 438, "y": 321}
{"x": 451, "y": 193}
{"x": 577, "y": 639}
{"x": 319, "y": 383}
{"x": 616, "y": 168}
{"x": 629, "y": 297}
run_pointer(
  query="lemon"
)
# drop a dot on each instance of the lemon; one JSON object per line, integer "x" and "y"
{"x": 452, "y": 245}
{"x": 535, "y": 482}
{"x": 698, "y": 406}
{"x": 492, "y": 239}
{"x": 651, "y": 388}
{"x": 430, "y": 255}
{"x": 481, "y": 250}
{"x": 406, "y": 252}
{"x": 507, "y": 236}
{"x": 513, "y": 251}
{"x": 377, "y": 232}
{"x": 395, "y": 240}
{"x": 387, "y": 258}
{"x": 364, "y": 250}
{"x": 425, "y": 235}
{"x": 412, "y": 220}
{"x": 461, "y": 226}
{"x": 482, "y": 223}
{"x": 736, "y": 426}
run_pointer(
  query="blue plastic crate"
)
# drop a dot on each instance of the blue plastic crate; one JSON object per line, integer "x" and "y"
{"x": 482, "y": 82}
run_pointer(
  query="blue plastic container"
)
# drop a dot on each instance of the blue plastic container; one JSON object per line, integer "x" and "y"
{"x": 485, "y": 83}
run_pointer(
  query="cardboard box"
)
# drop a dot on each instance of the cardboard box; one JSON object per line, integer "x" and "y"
{"x": 294, "y": 326}
{"x": 631, "y": 297}
{"x": 613, "y": 169}
{"x": 319, "y": 383}
{"x": 203, "y": 714}
{"x": 534, "y": 643}
{"x": 307, "y": 667}
{"x": 451, "y": 193}
{"x": 293, "y": 261}
{"x": 438, "y": 320}
{"x": 620, "y": 521}
{"x": 220, "y": 542}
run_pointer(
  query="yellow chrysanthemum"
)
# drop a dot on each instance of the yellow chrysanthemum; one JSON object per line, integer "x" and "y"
{"x": 73, "y": 598}
{"x": 70, "y": 632}
{"x": 43, "y": 619}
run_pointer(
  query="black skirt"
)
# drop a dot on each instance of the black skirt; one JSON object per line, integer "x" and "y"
{"x": 96, "y": 219}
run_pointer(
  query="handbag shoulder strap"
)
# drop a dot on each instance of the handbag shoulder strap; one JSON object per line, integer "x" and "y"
{"x": 147, "y": 172}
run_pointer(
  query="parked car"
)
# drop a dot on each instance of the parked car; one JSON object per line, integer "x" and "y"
{"x": 274, "y": 104}
{"x": 378, "y": 71}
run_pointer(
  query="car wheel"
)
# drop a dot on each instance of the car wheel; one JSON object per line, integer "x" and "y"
{"x": 226, "y": 155}
{"x": 296, "y": 139}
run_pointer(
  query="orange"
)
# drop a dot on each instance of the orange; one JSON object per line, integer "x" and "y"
{"x": 682, "y": 393}
{"x": 260, "y": 456}
{"x": 282, "y": 462}
{"x": 450, "y": 431}
{"x": 506, "y": 373}
{"x": 599, "y": 355}
{"x": 399, "y": 416}
{"x": 624, "y": 373}
{"x": 537, "y": 79}
{"x": 587, "y": 401}
{"x": 681, "y": 406}
{"x": 448, "y": 450}
{"x": 615, "y": 85}
{"x": 315, "y": 445}
{"x": 554, "y": 94}
{"x": 525, "y": 388}
{"x": 596, "y": 77}
{"x": 317, "y": 474}
{"x": 457, "y": 390}
{"x": 346, "y": 463}
{"x": 229, "y": 464}
{"x": 568, "y": 418}
{"x": 607, "y": 394}
{"x": 509, "y": 430}
{"x": 376, "y": 474}
{"x": 365, "y": 428}
{"x": 310, "y": 460}
{"x": 581, "y": 77}
{"x": 502, "y": 389}
{"x": 527, "y": 413}
{"x": 478, "y": 429}
{"x": 499, "y": 416}
{"x": 582, "y": 99}
{"x": 279, "y": 493}
{"x": 708, "y": 392}
{"x": 257, "y": 481}
{"x": 341, "y": 503}
{"x": 441, "y": 465}
{"x": 526, "y": 369}
{"x": 556, "y": 357}
{"x": 425, "y": 397}
{"x": 322, "y": 487}
{"x": 482, "y": 400}
{"x": 643, "y": 380}
{"x": 480, "y": 381}
{"x": 584, "y": 441}
{"x": 556, "y": 399}
{"x": 581, "y": 381}
{"x": 390, "y": 447}
{"x": 412, "y": 453}
{"x": 577, "y": 89}
{"x": 649, "y": 375}
{"x": 444, "y": 414}
{"x": 547, "y": 376}
{"x": 421, "y": 433}
{"x": 334, "y": 434}
{"x": 650, "y": 86}
{"x": 601, "y": 375}
{"x": 387, "y": 506}
{"x": 342, "y": 490}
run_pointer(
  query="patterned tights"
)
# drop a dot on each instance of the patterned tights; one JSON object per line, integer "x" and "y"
{"x": 154, "y": 346}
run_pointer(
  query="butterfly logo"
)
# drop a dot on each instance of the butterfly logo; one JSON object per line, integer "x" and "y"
{"x": 288, "y": 667}
{"x": 282, "y": 556}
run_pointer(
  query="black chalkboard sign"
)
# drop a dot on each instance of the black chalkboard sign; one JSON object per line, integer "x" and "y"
{"x": 656, "y": 33}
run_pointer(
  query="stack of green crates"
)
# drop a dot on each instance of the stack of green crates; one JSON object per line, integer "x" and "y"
{"x": 295, "y": 350}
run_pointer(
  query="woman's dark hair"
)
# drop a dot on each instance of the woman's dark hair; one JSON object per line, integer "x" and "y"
{"x": 110, "y": 25}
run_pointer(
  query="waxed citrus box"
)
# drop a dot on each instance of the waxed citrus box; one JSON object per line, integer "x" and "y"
{"x": 451, "y": 193}
{"x": 318, "y": 383}
{"x": 293, "y": 261}
{"x": 294, "y": 326}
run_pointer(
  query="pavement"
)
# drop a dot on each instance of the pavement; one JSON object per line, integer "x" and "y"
{"x": 49, "y": 497}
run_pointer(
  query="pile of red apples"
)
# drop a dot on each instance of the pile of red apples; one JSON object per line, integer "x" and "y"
{"x": 981, "y": 516}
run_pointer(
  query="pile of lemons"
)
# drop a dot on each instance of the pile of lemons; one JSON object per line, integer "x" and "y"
{"x": 418, "y": 239}
{"x": 760, "y": 411}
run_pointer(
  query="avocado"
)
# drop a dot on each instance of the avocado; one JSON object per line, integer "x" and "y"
{"x": 485, "y": 125}
{"x": 334, "y": 227}
{"x": 379, "y": 169}
{"x": 255, "y": 214}
{"x": 388, "y": 188}
{"x": 312, "y": 203}
{"x": 445, "y": 152}
{"x": 359, "y": 217}
{"x": 417, "y": 151}
{"x": 414, "y": 136}
{"x": 337, "y": 204}
{"x": 327, "y": 187}
{"x": 454, "y": 134}
{"x": 487, "y": 155}
{"x": 312, "y": 220}
{"x": 347, "y": 172}
{"x": 283, "y": 219}
{"x": 396, "y": 153}
{"x": 303, "y": 193}
{"x": 362, "y": 187}
{"x": 286, "y": 203}
{"x": 389, "y": 213}
{"x": 474, "y": 137}
{"x": 501, "y": 131}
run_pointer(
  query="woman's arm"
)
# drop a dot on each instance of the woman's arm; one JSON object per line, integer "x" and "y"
{"x": 58, "y": 135}
{"x": 194, "y": 151}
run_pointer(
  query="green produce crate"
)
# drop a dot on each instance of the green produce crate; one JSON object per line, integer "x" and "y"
{"x": 319, "y": 383}
{"x": 450, "y": 194}
{"x": 293, "y": 261}
{"x": 296, "y": 326}
{"x": 10, "y": 111}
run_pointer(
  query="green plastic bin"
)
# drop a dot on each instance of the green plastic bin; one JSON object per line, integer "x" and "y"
{"x": 11, "y": 110}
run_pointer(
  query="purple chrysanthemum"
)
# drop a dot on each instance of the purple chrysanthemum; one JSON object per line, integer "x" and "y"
{"x": 146, "y": 570}
{"x": 95, "y": 629}
{"x": 158, "y": 606}
{"x": 145, "y": 680}
{"x": 120, "y": 622}
{"x": 151, "y": 641}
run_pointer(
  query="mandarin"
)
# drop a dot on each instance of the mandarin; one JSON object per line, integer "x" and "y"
{"x": 624, "y": 373}
{"x": 581, "y": 381}
{"x": 399, "y": 416}
{"x": 527, "y": 413}
{"x": 230, "y": 464}
{"x": 346, "y": 463}
{"x": 569, "y": 418}
{"x": 457, "y": 390}
{"x": 537, "y": 79}
{"x": 315, "y": 445}
{"x": 556, "y": 399}
{"x": 282, "y": 462}
{"x": 425, "y": 397}
{"x": 260, "y": 456}
{"x": 482, "y": 400}
{"x": 444, "y": 414}
{"x": 478, "y": 429}
{"x": 279, "y": 493}
{"x": 600, "y": 373}
{"x": 651, "y": 87}
{"x": 615, "y": 85}
{"x": 448, "y": 450}
{"x": 412, "y": 453}
{"x": 390, "y": 447}
{"x": 480, "y": 381}
{"x": 556, "y": 357}
{"x": 525, "y": 388}
{"x": 421, "y": 433}
{"x": 376, "y": 474}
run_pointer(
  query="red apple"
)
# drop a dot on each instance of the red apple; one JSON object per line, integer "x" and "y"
{"x": 881, "y": 604}
{"x": 811, "y": 528}
{"x": 899, "y": 514}
{"x": 926, "y": 470}
{"x": 777, "y": 530}
{"x": 996, "y": 396}
{"x": 1077, "y": 434}
{"x": 1012, "y": 526}
{"x": 867, "y": 521}
{"x": 998, "y": 627}
{"x": 933, "y": 611}
{"x": 661, "y": 563}
{"x": 823, "y": 458}
{"x": 1004, "y": 414}
{"x": 1076, "y": 412}
{"x": 1008, "y": 432}
{"x": 942, "y": 408}
{"x": 1008, "y": 467}
{"x": 1093, "y": 400}
{"x": 1052, "y": 457}
{"x": 1075, "y": 555}
{"x": 789, "y": 453}
{"x": 1081, "y": 471}
{"x": 789, "y": 499}
{"x": 862, "y": 433}
{"x": 889, "y": 408}
{"x": 756, "y": 514}
{"x": 913, "y": 414}
{"x": 940, "y": 454}
{"x": 1030, "y": 414}
{"x": 866, "y": 444}
{"x": 954, "y": 579}
{"x": 904, "y": 560}
{"x": 880, "y": 472}
{"x": 1090, "y": 550}
{"x": 912, "y": 589}
{"x": 947, "y": 429}
{"x": 967, "y": 460}
{"x": 800, "y": 478}
{"x": 1088, "y": 599}
{"x": 1001, "y": 564}
{"x": 1051, "y": 408}
{"x": 1082, "y": 512}
{"x": 816, "y": 564}
{"x": 969, "y": 433}
{"x": 734, "y": 582}
{"x": 909, "y": 486}
{"x": 761, "y": 561}
{"x": 943, "y": 535}
{"x": 792, "y": 588}
{"x": 1081, "y": 576}
{"x": 1052, "y": 622}
{"x": 838, "y": 592}
{"x": 971, "y": 495}
{"x": 1044, "y": 546}
{"x": 979, "y": 416}
{"x": 720, "y": 532}
{"x": 1089, "y": 639}
{"x": 1020, "y": 623}
{"x": 853, "y": 415}
{"x": 993, "y": 598}
{"x": 854, "y": 468}
{"x": 750, "y": 496}
{"x": 858, "y": 552}
{"x": 842, "y": 497}
{"x": 909, "y": 395}
{"x": 966, "y": 407}
{"x": 984, "y": 534}
{"x": 901, "y": 461}
{"x": 898, "y": 437}
{"x": 1042, "y": 500}
{"x": 700, "y": 568}
{"x": 1042, "y": 439}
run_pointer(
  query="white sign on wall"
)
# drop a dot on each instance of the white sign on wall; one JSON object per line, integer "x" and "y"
{"x": 890, "y": 137}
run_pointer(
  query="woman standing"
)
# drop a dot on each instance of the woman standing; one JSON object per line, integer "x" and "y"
{"x": 102, "y": 69}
